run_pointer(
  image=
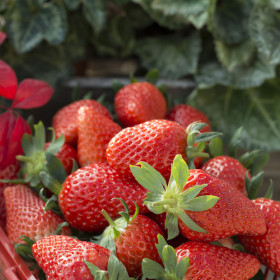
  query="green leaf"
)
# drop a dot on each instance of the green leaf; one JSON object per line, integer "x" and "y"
{"x": 228, "y": 20}
{"x": 152, "y": 269}
{"x": 235, "y": 141}
{"x": 96, "y": 272}
{"x": 259, "y": 162}
{"x": 192, "y": 192}
{"x": 154, "y": 197}
{"x": 180, "y": 171}
{"x": 72, "y": 4}
{"x": 182, "y": 267}
{"x": 27, "y": 144}
{"x": 169, "y": 258}
{"x": 152, "y": 76}
{"x": 269, "y": 192}
{"x": 55, "y": 168}
{"x": 27, "y": 28}
{"x": 55, "y": 145}
{"x": 171, "y": 224}
{"x": 207, "y": 136}
{"x": 95, "y": 13}
{"x": 233, "y": 56}
{"x": 184, "y": 10}
{"x": 170, "y": 22}
{"x": 264, "y": 30}
{"x": 116, "y": 270}
{"x": 190, "y": 223}
{"x": 178, "y": 55}
{"x": 201, "y": 203}
{"x": 254, "y": 185}
{"x": 49, "y": 182}
{"x": 148, "y": 177}
{"x": 255, "y": 110}
{"x": 160, "y": 245}
{"x": 216, "y": 147}
{"x": 40, "y": 136}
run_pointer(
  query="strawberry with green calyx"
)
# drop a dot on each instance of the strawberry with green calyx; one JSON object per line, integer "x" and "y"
{"x": 172, "y": 270}
{"x": 132, "y": 237}
{"x": 195, "y": 200}
{"x": 171, "y": 198}
{"x": 92, "y": 188}
{"x": 115, "y": 271}
{"x": 63, "y": 257}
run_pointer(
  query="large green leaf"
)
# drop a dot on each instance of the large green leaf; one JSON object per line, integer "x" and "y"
{"x": 241, "y": 77}
{"x": 95, "y": 12}
{"x": 185, "y": 11}
{"x": 264, "y": 30}
{"x": 27, "y": 28}
{"x": 170, "y": 22}
{"x": 72, "y": 4}
{"x": 232, "y": 56}
{"x": 257, "y": 110}
{"x": 228, "y": 20}
{"x": 173, "y": 56}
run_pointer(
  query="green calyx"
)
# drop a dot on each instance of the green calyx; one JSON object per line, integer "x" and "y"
{"x": 171, "y": 198}
{"x": 115, "y": 227}
{"x": 172, "y": 269}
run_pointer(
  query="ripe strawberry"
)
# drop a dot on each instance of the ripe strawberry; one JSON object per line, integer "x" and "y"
{"x": 208, "y": 261}
{"x": 266, "y": 247}
{"x": 66, "y": 155}
{"x": 94, "y": 133}
{"x": 156, "y": 142}
{"x": 90, "y": 189}
{"x": 206, "y": 208}
{"x": 65, "y": 120}
{"x": 63, "y": 257}
{"x": 186, "y": 114}
{"x": 26, "y": 215}
{"x": 139, "y": 102}
{"x": 228, "y": 169}
{"x": 8, "y": 173}
{"x": 134, "y": 239}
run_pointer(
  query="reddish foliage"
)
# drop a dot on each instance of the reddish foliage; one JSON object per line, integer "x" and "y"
{"x": 2, "y": 37}
{"x": 8, "y": 81}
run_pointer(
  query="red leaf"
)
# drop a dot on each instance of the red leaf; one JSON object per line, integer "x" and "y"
{"x": 12, "y": 129}
{"x": 2, "y": 37}
{"x": 8, "y": 81}
{"x": 31, "y": 94}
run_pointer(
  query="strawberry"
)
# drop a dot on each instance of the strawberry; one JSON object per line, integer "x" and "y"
{"x": 266, "y": 247}
{"x": 139, "y": 102}
{"x": 133, "y": 238}
{"x": 228, "y": 169}
{"x": 65, "y": 120}
{"x": 94, "y": 133}
{"x": 186, "y": 114}
{"x": 90, "y": 189}
{"x": 208, "y": 261}
{"x": 156, "y": 142}
{"x": 26, "y": 215}
{"x": 8, "y": 173}
{"x": 66, "y": 154}
{"x": 206, "y": 208}
{"x": 63, "y": 257}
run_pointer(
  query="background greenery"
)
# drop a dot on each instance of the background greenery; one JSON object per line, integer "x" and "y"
{"x": 230, "y": 49}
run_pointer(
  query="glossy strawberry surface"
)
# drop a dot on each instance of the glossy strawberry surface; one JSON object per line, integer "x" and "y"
{"x": 233, "y": 213}
{"x": 156, "y": 142}
{"x": 92, "y": 188}
{"x": 62, "y": 257}
{"x": 8, "y": 173}
{"x": 94, "y": 133}
{"x": 228, "y": 169}
{"x": 65, "y": 120}
{"x": 266, "y": 247}
{"x": 212, "y": 262}
{"x": 26, "y": 215}
{"x": 139, "y": 102}
{"x": 186, "y": 114}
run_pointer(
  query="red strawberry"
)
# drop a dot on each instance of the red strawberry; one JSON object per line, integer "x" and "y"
{"x": 266, "y": 247}
{"x": 63, "y": 257}
{"x": 8, "y": 173}
{"x": 186, "y": 114}
{"x": 66, "y": 154}
{"x": 228, "y": 169}
{"x": 156, "y": 142}
{"x": 65, "y": 120}
{"x": 206, "y": 208}
{"x": 208, "y": 261}
{"x": 134, "y": 238}
{"x": 94, "y": 133}
{"x": 90, "y": 189}
{"x": 139, "y": 102}
{"x": 233, "y": 214}
{"x": 26, "y": 215}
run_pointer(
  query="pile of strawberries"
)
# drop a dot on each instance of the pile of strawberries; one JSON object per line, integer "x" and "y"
{"x": 149, "y": 195}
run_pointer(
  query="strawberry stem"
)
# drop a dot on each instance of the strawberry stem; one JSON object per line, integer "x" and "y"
{"x": 108, "y": 218}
